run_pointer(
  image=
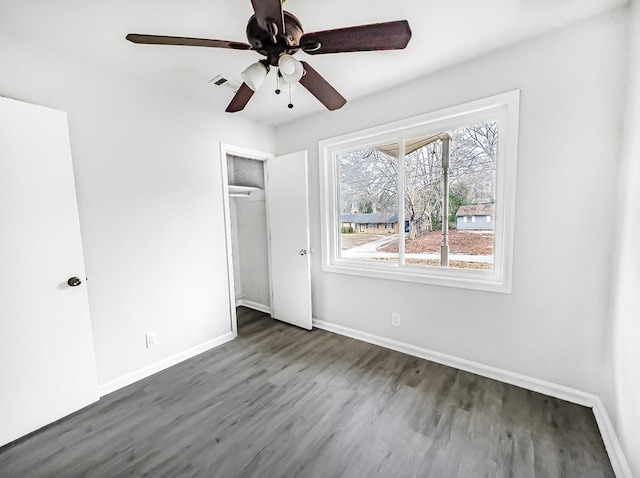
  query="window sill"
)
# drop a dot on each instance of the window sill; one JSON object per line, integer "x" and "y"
{"x": 467, "y": 279}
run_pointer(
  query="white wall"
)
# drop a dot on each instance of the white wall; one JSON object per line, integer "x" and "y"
{"x": 552, "y": 326}
{"x": 253, "y": 254}
{"x": 235, "y": 248}
{"x": 624, "y": 405}
{"x": 147, "y": 171}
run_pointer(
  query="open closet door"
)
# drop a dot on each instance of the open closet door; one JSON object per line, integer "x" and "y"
{"x": 288, "y": 221}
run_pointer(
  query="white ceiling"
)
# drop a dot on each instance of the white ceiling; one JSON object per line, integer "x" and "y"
{"x": 444, "y": 33}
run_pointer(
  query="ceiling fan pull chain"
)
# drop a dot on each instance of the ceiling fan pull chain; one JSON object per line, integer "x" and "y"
{"x": 290, "y": 105}
{"x": 278, "y": 83}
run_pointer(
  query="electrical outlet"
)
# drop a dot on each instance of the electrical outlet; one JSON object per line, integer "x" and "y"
{"x": 395, "y": 319}
{"x": 151, "y": 339}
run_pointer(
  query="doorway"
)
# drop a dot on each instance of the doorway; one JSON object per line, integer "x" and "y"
{"x": 247, "y": 238}
{"x": 267, "y": 234}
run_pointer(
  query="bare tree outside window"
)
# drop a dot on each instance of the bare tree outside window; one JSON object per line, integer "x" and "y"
{"x": 369, "y": 196}
{"x": 368, "y": 190}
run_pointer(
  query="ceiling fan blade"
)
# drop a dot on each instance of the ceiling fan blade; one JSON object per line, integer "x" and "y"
{"x": 268, "y": 13}
{"x": 377, "y": 36}
{"x": 321, "y": 89}
{"x": 186, "y": 41}
{"x": 240, "y": 100}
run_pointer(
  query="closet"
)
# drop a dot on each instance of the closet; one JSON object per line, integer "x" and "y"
{"x": 267, "y": 233}
{"x": 248, "y": 221}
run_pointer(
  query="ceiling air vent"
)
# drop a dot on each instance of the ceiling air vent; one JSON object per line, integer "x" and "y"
{"x": 221, "y": 81}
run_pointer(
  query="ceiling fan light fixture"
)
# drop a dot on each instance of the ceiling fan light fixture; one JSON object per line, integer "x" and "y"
{"x": 291, "y": 69}
{"x": 255, "y": 74}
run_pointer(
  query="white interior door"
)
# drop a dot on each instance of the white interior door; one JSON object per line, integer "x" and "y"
{"x": 288, "y": 223}
{"x": 47, "y": 361}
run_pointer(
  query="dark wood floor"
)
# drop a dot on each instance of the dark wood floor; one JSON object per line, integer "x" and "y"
{"x": 282, "y": 402}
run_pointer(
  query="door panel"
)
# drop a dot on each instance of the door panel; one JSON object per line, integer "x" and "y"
{"x": 288, "y": 220}
{"x": 47, "y": 362}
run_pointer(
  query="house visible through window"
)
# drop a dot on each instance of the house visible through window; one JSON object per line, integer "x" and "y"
{"x": 443, "y": 177}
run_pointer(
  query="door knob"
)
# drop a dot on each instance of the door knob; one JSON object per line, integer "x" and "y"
{"x": 74, "y": 282}
{"x": 303, "y": 252}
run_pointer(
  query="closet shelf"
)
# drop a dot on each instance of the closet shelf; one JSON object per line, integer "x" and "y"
{"x": 241, "y": 191}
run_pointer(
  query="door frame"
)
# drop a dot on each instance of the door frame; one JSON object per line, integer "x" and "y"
{"x": 226, "y": 148}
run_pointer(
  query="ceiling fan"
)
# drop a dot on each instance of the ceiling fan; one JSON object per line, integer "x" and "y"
{"x": 278, "y": 35}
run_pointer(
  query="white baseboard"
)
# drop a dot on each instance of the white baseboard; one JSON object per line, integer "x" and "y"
{"x": 536, "y": 385}
{"x": 612, "y": 445}
{"x": 610, "y": 439}
{"x": 160, "y": 365}
{"x": 240, "y": 302}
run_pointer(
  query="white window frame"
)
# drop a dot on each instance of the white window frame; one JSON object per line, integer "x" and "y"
{"x": 503, "y": 108}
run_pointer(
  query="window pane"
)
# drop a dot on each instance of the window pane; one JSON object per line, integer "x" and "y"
{"x": 422, "y": 200}
{"x": 368, "y": 185}
{"x": 472, "y": 192}
{"x": 472, "y": 187}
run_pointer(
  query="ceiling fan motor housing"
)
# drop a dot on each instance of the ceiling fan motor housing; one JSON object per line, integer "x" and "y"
{"x": 261, "y": 40}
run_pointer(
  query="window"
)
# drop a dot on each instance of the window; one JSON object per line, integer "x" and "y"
{"x": 433, "y": 173}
